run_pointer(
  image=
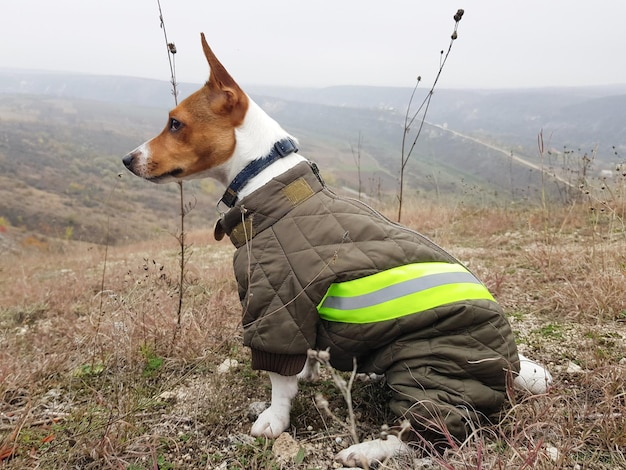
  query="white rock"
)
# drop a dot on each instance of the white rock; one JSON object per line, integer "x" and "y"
{"x": 553, "y": 453}
{"x": 256, "y": 408}
{"x": 168, "y": 396}
{"x": 285, "y": 447}
{"x": 573, "y": 368}
{"x": 227, "y": 365}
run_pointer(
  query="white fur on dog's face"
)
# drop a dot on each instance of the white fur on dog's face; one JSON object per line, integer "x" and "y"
{"x": 141, "y": 162}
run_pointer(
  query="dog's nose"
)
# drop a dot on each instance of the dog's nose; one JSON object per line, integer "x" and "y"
{"x": 128, "y": 160}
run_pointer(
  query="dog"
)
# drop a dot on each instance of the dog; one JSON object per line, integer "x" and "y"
{"x": 318, "y": 272}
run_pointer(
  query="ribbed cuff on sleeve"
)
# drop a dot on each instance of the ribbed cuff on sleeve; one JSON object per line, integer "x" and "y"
{"x": 283, "y": 364}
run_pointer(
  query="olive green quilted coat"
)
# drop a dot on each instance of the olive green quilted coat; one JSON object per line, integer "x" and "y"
{"x": 295, "y": 237}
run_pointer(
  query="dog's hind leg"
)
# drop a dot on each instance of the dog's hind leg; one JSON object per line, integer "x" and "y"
{"x": 532, "y": 377}
{"x": 367, "y": 453}
{"x": 274, "y": 420}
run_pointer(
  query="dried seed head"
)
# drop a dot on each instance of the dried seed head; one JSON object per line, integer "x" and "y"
{"x": 454, "y": 36}
{"x": 323, "y": 355}
{"x": 459, "y": 15}
{"x": 321, "y": 402}
{"x": 172, "y": 47}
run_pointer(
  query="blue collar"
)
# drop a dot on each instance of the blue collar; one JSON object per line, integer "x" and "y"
{"x": 281, "y": 149}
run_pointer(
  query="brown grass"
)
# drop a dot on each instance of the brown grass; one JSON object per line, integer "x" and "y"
{"x": 92, "y": 377}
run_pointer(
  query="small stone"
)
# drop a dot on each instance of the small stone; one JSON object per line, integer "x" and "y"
{"x": 286, "y": 448}
{"x": 168, "y": 396}
{"x": 52, "y": 394}
{"x": 227, "y": 365}
{"x": 425, "y": 463}
{"x": 239, "y": 439}
{"x": 553, "y": 453}
{"x": 573, "y": 368}
{"x": 256, "y": 408}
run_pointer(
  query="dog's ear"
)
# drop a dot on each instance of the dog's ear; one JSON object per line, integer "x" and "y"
{"x": 220, "y": 81}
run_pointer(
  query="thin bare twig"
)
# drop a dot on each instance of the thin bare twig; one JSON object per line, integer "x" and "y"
{"x": 171, "y": 51}
{"x": 425, "y": 105}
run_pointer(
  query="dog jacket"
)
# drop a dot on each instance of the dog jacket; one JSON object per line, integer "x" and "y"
{"x": 317, "y": 271}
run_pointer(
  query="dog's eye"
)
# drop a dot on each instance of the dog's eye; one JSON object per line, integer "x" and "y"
{"x": 175, "y": 125}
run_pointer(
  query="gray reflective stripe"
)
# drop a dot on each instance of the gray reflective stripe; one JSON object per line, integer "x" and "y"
{"x": 400, "y": 289}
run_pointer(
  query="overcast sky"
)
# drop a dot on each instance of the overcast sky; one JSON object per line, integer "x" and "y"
{"x": 501, "y": 43}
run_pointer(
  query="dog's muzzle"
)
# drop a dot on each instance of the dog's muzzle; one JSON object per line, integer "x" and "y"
{"x": 129, "y": 159}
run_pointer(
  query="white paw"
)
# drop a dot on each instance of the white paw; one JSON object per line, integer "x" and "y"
{"x": 532, "y": 377}
{"x": 368, "y": 452}
{"x": 311, "y": 370}
{"x": 270, "y": 423}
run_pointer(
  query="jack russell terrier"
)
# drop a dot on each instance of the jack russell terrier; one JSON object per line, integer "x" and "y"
{"x": 319, "y": 272}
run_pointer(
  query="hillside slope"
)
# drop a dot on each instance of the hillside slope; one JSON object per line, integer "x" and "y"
{"x": 62, "y": 137}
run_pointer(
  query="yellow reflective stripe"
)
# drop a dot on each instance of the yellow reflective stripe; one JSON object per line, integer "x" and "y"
{"x": 400, "y": 291}
{"x": 374, "y": 282}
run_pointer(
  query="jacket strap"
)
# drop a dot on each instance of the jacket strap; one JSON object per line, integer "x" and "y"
{"x": 270, "y": 203}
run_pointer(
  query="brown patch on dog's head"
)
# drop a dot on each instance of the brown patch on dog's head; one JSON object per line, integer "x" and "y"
{"x": 200, "y": 132}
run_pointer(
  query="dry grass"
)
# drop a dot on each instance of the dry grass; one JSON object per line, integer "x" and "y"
{"x": 92, "y": 376}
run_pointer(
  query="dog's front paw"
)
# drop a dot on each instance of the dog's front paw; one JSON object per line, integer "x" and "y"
{"x": 367, "y": 453}
{"x": 271, "y": 423}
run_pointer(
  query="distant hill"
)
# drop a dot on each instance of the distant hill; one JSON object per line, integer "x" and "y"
{"x": 59, "y": 167}
{"x": 585, "y": 117}
{"x": 62, "y": 137}
{"x": 575, "y": 117}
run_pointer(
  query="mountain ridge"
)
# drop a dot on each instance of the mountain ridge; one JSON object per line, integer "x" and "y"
{"x": 62, "y": 137}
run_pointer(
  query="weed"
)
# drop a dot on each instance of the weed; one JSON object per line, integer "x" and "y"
{"x": 22, "y": 315}
{"x": 411, "y": 115}
{"x": 163, "y": 464}
{"x": 153, "y": 362}
{"x": 551, "y": 331}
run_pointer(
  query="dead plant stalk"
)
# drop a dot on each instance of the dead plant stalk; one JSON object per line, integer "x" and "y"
{"x": 423, "y": 109}
{"x": 171, "y": 51}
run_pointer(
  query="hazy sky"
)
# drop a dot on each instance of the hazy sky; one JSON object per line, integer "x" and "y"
{"x": 502, "y": 43}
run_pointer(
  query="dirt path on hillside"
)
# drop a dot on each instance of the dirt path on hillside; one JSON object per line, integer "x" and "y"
{"x": 505, "y": 153}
